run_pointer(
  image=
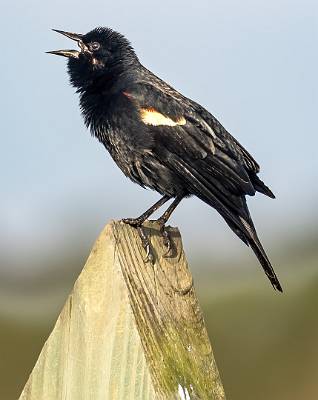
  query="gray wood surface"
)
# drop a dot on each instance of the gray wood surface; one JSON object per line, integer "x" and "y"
{"x": 130, "y": 329}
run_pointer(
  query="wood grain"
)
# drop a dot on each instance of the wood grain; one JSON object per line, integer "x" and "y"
{"x": 130, "y": 329}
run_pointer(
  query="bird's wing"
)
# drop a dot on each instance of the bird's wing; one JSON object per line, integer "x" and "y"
{"x": 186, "y": 129}
{"x": 229, "y": 143}
{"x": 210, "y": 162}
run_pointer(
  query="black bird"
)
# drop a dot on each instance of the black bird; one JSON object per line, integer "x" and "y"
{"x": 160, "y": 139}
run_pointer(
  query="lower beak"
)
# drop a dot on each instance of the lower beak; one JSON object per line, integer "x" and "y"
{"x": 77, "y": 37}
{"x": 65, "y": 53}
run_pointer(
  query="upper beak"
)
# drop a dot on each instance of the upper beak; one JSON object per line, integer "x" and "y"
{"x": 70, "y": 53}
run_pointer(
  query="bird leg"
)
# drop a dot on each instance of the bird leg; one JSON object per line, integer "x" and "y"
{"x": 163, "y": 220}
{"x": 137, "y": 223}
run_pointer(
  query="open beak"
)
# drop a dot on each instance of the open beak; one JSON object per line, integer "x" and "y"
{"x": 77, "y": 37}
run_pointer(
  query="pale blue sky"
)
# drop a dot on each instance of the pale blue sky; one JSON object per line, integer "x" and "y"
{"x": 253, "y": 64}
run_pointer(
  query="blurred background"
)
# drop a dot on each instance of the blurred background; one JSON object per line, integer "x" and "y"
{"x": 254, "y": 65}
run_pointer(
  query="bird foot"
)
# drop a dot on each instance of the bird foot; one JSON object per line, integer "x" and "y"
{"x": 145, "y": 244}
{"x": 137, "y": 223}
{"x": 165, "y": 237}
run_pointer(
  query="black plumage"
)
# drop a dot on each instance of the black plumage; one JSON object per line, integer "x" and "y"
{"x": 161, "y": 139}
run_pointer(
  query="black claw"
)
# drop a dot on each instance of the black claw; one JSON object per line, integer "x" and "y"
{"x": 145, "y": 244}
{"x": 166, "y": 240}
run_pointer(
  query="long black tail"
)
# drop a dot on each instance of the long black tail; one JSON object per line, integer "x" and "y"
{"x": 257, "y": 247}
{"x": 233, "y": 208}
{"x": 244, "y": 228}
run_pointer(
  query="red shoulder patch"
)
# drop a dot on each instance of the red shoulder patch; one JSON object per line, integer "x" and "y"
{"x": 127, "y": 94}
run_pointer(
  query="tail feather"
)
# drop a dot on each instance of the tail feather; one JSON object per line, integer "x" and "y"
{"x": 257, "y": 247}
{"x": 248, "y": 235}
{"x": 261, "y": 187}
{"x": 232, "y": 208}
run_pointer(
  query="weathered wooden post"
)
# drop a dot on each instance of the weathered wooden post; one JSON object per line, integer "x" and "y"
{"x": 129, "y": 330}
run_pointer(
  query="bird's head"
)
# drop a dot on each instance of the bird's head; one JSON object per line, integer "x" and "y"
{"x": 102, "y": 52}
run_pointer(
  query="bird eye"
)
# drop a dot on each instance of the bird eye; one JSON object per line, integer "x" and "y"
{"x": 94, "y": 46}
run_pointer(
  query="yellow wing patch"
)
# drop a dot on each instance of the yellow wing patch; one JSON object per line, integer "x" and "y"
{"x": 152, "y": 117}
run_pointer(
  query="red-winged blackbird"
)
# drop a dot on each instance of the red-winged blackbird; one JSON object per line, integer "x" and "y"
{"x": 161, "y": 139}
